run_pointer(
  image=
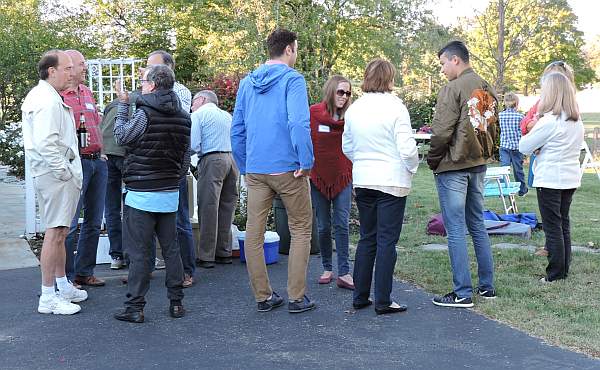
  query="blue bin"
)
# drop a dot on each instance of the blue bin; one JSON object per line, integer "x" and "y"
{"x": 271, "y": 247}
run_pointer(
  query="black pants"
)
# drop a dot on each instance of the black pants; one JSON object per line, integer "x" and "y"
{"x": 138, "y": 235}
{"x": 381, "y": 217}
{"x": 554, "y": 208}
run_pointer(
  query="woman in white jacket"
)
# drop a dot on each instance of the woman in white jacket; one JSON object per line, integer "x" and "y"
{"x": 557, "y": 138}
{"x": 378, "y": 140}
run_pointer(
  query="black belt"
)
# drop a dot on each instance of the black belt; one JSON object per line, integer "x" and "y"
{"x": 90, "y": 156}
{"x": 215, "y": 152}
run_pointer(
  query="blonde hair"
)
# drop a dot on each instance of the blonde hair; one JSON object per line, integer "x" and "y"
{"x": 560, "y": 67}
{"x": 558, "y": 96}
{"x": 511, "y": 100}
{"x": 379, "y": 76}
{"x": 329, "y": 94}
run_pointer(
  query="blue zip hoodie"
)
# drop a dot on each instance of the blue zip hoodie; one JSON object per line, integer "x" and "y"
{"x": 270, "y": 131}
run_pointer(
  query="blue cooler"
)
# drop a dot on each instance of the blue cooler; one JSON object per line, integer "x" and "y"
{"x": 271, "y": 247}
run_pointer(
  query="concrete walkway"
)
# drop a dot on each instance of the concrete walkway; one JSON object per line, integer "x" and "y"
{"x": 222, "y": 330}
{"x": 14, "y": 251}
{"x": 12, "y": 205}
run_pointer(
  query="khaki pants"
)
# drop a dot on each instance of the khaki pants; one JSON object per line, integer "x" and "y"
{"x": 217, "y": 198}
{"x": 295, "y": 194}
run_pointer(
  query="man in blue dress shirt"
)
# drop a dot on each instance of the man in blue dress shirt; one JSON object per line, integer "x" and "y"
{"x": 217, "y": 178}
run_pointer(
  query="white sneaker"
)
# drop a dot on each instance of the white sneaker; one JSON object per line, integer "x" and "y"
{"x": 73, "y": 294}
{"x": 117, "y": 263}
{"x": 56, "y": 305}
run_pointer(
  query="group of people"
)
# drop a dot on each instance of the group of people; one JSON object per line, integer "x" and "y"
{"x": 317, "y": 156}
{"x": 144, "y": 140}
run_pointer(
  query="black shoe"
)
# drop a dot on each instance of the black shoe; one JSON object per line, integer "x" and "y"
{"x": 176, "y": 310}
{"x": 268, "y": 304}
{"x": 223, "y": 260}
{"x": 358, "y": 306}
{"x": 130, "y": 315}
{"x": 389, "y": 309}
{"x": 452, "y": 300}
{"x": 301, "y": 305}
{"x": 205, "y": 264}
{"x": 486, "y": 293}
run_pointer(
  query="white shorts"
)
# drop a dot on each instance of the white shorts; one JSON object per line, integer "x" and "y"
{"x": 57, "y": 199}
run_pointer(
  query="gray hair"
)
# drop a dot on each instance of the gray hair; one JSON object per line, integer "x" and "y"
{"x": 162, "y": 76}
{"x": 209, "y": 95}
{"x": 166, "y": 57}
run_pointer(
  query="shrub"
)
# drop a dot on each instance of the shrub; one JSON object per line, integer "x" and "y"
{"x": 421, "y": 109}
{"x": 226, "y": 88}
{"x": 11, "y": 149}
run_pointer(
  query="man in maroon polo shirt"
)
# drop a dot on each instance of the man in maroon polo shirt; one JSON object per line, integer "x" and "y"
{"x": 80, "y": 265}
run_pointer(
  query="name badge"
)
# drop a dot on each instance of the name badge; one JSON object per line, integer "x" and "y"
{"x": 90, "y": 106}
{"x": 324, "y": 128}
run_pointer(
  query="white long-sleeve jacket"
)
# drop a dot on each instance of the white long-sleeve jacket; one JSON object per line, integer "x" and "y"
{"x": 557, "y": 164}
{"x": 49, "y": 135}
{"x": 378, "y": 140}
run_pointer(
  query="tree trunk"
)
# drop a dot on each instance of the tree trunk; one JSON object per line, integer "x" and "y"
{"x": 500, "y": 63}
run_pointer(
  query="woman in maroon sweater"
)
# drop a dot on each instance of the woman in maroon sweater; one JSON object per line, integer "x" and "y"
{"x": 331, "y": 178}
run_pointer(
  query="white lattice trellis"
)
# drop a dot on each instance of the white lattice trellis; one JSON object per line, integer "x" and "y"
{"x": 102, "y": 73}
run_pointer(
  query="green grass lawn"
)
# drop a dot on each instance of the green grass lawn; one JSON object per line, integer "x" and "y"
{"x": 564, "y": 313}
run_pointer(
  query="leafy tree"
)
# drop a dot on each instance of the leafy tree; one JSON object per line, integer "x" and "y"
{"x": 512, "y": 42}
{"x": 592, "y": 52}
{"x": 24, "y": 37}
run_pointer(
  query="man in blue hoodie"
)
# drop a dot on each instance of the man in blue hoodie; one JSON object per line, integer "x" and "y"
{"x": 270, "y": 137}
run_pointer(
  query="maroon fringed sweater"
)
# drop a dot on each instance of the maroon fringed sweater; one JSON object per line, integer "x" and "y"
{"x": 332, "y": 171}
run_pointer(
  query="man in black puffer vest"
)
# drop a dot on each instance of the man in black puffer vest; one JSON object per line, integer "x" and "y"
{"x": 157, "y": 138}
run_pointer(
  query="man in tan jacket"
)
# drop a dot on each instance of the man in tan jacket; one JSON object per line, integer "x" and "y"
{"x": 463, "y": 133}
{"x": 51, "y": 150}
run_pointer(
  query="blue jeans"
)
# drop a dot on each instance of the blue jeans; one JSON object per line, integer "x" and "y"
{"x": 514, "y": 157}
{"x": 93, "y": 192}
{"x": 461, "y": 200}
{"x": 112, "y": 205}
{"x": 184, "y": 230}
{"x": 530, "y": 176}
{"x": 341, "y": 218}
{"x": 381, "y": 217}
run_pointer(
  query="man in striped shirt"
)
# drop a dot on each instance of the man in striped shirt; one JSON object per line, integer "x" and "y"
{"x": 510, "y": 134}
{"x": 157, "y": 137}
{"x": 184, "y": 226}
{"x": 217, "y": 177}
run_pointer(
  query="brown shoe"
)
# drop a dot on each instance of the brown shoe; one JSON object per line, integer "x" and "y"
{"x": 541, "y": 253}
{"x": 188, "y": 281}
{"x": 89, "y": 280}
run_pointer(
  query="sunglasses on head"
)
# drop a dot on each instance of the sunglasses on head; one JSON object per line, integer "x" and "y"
{"x": 341, "y": 93}
{"x": 558, "y": 63}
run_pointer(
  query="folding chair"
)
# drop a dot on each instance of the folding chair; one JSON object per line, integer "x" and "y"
{"x": 588, "y": 160}
{"x": 497, "y": 184}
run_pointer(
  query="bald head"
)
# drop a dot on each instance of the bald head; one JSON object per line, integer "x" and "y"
{"x": 79, "y": 67}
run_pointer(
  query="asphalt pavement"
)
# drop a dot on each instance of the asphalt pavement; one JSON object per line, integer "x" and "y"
{"x": 223, "y": 330}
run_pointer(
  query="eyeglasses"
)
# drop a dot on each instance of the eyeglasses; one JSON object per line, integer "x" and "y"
{"x": 341, "y": 93}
